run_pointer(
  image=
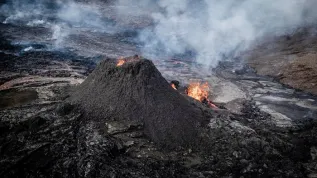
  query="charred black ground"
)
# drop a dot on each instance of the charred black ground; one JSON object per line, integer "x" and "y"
{"x": 136, "y": 91}
{"x": 58, "y": 139}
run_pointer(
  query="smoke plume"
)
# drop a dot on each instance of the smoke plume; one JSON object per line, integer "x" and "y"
{"x": 62, "y": 17}
{"x": 214, "y": 30}
{"x": 205, "y": 30}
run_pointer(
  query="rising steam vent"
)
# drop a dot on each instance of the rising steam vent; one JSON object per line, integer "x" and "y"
{"x": 137, "y": 91}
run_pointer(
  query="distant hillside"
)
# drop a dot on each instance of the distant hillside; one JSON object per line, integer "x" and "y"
{"x": 292, "y": 59}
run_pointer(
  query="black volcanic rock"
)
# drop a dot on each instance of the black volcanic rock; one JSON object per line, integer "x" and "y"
{"x": 136, "y": 91}
{"x": 59, "y": 140}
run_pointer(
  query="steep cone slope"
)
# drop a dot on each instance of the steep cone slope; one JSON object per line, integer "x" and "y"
{"x": 137, "y": 91}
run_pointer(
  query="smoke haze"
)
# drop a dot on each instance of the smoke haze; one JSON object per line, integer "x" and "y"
{"x": 208, "y": 30}
{"x": 62, "y": 17}
{"x": 214, "y": 29}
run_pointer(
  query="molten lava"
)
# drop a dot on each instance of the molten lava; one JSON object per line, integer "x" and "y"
{"x": 121, "y": 61}
{"x": 173, "y": 86}
{"x": 200, "y": 92}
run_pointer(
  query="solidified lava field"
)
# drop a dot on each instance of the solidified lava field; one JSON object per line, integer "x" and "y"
{"x": 80, "y": 96}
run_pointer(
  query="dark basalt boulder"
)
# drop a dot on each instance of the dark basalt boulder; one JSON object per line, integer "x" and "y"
{"x": 136, "y": 91}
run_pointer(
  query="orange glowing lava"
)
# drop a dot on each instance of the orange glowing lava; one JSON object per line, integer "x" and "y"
{"x": 173, "y": 86}
{"x": 198, "y": 91}
{"x": 121, "y": 61}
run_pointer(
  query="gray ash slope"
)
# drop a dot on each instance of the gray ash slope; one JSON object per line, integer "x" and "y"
{"x": 136, "y": 91}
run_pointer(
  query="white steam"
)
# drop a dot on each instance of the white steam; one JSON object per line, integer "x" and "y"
{"x": 208, "y": 30}
{"x": 59, "y": 33}
{"x": 83, "y": 15}
{"x": 62, "y": 17}
{"x": 216, "y": 29}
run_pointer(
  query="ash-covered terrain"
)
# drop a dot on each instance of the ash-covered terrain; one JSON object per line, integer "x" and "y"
{"x": 73, "y": 104}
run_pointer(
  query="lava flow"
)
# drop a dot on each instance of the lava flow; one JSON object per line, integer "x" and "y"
{"x": 200, "y": 92}
{"x": 173, "y": 86}
{"x": 121, "y": 61}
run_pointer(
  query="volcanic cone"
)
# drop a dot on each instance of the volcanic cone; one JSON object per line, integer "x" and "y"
{"x": 136, "y": 91}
